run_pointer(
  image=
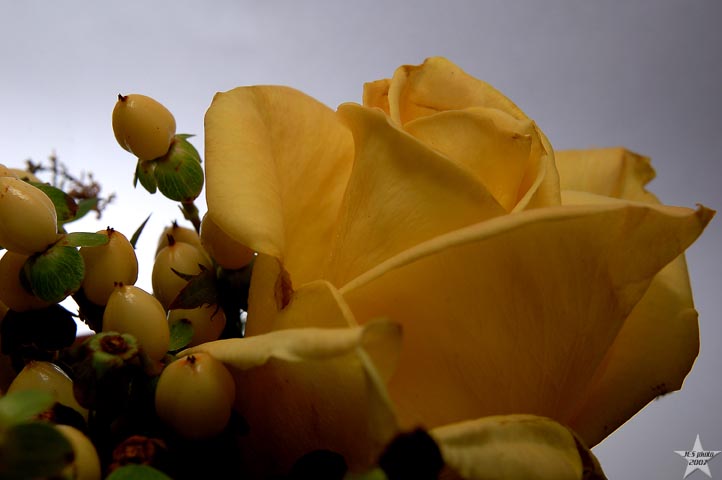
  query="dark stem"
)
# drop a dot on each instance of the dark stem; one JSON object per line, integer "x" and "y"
{"x": 190, "y": 212}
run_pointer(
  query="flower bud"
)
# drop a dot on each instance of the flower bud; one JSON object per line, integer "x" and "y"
{"x": 108, "y": 265}
{"x": 182, "y": 258}
{"x": 143, "y": 126}
{"x": 25, "y": 175}
{"x": 195, "y": 395}
{"x": 48, "y": 377}
{"x": 138, "y": 449}
{"x": 86, "y": 464}
{"x": 28, "y": 220}
{"x": 179, "y": 234}
{"x": 12, "y": 292}
{"x": 7, "y": 172}
{"x": 103, "y": 366}
{"x": 18, "y": 173}
{"x": 110, "y": 350}
{"x": 133, "y": 310}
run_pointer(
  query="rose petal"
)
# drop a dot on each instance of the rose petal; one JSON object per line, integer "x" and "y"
{"x": 312, "y": 388}
{"x": 276, "y": 165}
{"x": 438, "y": 85}
{"x": 614, "y": 172}
{"x": 376, "y": 94}
{"x": 513, "y": 447}
{"x": 270, "y": 291}
{"x": 400, "y": 193}
{"x": 515, "y": 314}
{"x": 491, "y": 144}
{"x": 657, "y": 345}
{"x": 317, "y": 304}
{"x": 651, "y": 356}
{"x": 541, "y": 182}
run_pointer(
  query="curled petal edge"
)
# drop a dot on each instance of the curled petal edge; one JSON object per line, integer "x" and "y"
{"x": 308, "y": 381}
{"x": 513, "y": 447}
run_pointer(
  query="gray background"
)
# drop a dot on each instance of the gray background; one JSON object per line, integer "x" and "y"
{"x": 643, "y": 74}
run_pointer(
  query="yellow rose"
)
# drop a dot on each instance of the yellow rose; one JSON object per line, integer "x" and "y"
{"x": 518, "y": 299}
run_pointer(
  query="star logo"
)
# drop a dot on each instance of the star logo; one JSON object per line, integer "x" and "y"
{"x": 697, "y": 458}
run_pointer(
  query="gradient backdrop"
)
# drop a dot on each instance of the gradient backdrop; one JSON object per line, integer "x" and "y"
{"x": 643, "y": 74}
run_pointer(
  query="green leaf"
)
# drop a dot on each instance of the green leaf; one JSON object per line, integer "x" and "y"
{"x": 55, "y": 273}
{"x": 144, "y": 175}
{"x": 136, "y": 235}
{"x": 65, "y": 206}
{"x": 84, "y": 239}
{"x": 137, "y": 472}
{"x": 179, "y": 174}
{"x": 200, "y": 290}
{"x": 23, "y": 406}
{"x": 34, "y": 450}
{"x": 84, "y": 207}
{"x": 181, "y": 333}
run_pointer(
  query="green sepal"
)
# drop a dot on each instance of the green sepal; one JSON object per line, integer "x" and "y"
{"x": 137, "y": 472}
{"x": 55, "y": 273}
{"x": 179, "y": 174}
{"x": 65, "y": 207}
{"x": 23, "y": 406}
{"x": 186, "y": 146}
{"x": 190, "y": 212}
{"x": 34, "y": 450}
{"x": 84, "y": 239}
{"x": 103, "y": 367}
{"x": 181, "y": 333}
{"x": 111, "y": 350}
{"x": 200, "y": 290}
{"x": 144, "y": 175}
